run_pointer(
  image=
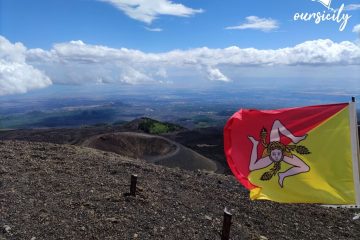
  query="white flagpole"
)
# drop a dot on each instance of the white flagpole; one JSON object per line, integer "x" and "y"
{"x": 355, "y": 149}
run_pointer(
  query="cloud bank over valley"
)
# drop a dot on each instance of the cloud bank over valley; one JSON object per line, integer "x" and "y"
{"x": 79, "y": 63}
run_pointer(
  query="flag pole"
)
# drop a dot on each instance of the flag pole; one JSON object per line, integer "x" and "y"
{"x": 355, "y": 149}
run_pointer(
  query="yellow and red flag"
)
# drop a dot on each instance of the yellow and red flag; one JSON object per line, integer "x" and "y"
{"x": 295, "y": 155}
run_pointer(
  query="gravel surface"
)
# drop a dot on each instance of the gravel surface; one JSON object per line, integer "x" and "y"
{"x": 50, "y": 191}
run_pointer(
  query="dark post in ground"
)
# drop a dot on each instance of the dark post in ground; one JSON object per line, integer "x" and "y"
{"x": 133, "y": 185}
{"x": 226, "y": 225}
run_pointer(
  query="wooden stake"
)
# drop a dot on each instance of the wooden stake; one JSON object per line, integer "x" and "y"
{"x": 226, "y": 225}
{"x": 133, "y": 185}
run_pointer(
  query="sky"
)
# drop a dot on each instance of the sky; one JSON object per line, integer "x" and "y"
{"x": 178, "y": 43}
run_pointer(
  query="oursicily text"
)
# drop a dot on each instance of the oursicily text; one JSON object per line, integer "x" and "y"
{"x": 335, "y": 15}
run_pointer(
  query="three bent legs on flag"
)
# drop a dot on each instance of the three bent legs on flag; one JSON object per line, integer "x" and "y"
{"x": 255, "y": 163}
{"x": 298, "y": 167}
{"x": 276, "y": 155}
{"x": 278, "y": 128}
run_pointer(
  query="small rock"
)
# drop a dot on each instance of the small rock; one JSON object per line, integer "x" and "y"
{"x": 136, "y": 235}
{"x": 6, "y": 228}
{"x": 82, "y": 228}
{"x": 263, "y": 238}
{"x": 113, "y": 220}
{"x": 208, "y": 217}
{"x": 3, "y": 170}
{"x": 33, "y": 238}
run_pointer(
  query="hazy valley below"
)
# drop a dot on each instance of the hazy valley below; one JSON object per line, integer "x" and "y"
{"x": 189, "y": 108}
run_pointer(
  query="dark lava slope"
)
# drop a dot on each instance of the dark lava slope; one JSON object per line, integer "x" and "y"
{"x": 50, "y": 191}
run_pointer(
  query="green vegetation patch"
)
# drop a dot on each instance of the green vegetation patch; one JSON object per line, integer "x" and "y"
{"x": 152, "y": 126}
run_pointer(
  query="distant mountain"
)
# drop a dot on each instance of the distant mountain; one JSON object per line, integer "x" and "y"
{"x": 152, "y": 126}
{"x": 79, "y": 134}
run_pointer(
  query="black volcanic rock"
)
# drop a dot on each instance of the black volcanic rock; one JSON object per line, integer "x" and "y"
{"x": 51, "y": 191}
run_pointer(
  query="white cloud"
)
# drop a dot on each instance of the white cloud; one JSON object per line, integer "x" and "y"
{"x": 16, "y": 76}
{"x": 147, "y": 11}
{"x": 256, "y": 23}
{"x": 131, "y": 76}
{"x": 215, "y": 74}
{"x": 20, "y": 78}
{"x": 352, "y": 7}
{"x": 356, "y": 29}
{"x": 154, "y": 29}
{"x": 76, "y": 62}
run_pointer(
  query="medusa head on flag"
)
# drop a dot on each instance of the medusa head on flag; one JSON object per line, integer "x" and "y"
{"x": 276, "y": 152}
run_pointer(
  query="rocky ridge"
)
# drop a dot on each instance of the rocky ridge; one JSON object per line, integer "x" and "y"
{"x": 50, "y": 191}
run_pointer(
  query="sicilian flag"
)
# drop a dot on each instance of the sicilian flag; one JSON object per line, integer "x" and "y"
{"x": 296, "y": 155}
